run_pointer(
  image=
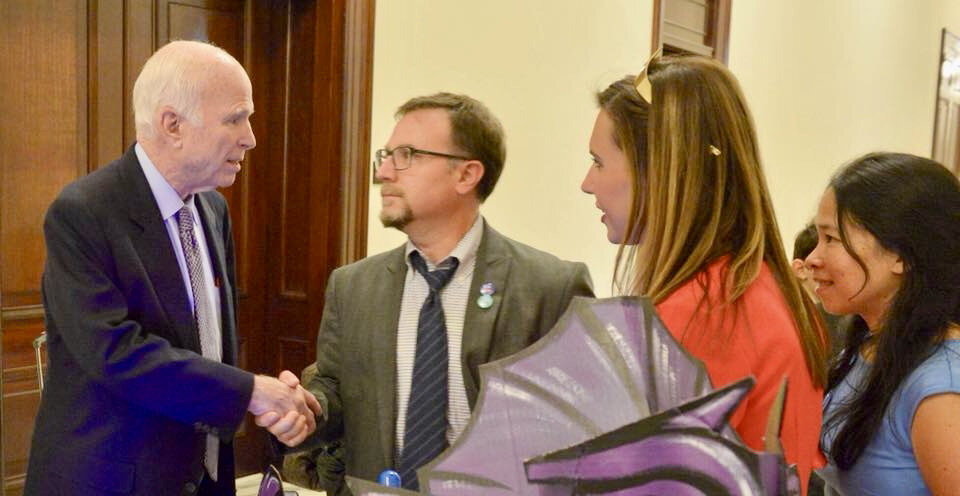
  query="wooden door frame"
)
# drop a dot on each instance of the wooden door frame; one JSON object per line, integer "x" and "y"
{"x": 3, "y": 470}
{"x": 357, "y": 107}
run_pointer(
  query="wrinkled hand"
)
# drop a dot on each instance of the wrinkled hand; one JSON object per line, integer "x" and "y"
{"x": 284, "y": 408}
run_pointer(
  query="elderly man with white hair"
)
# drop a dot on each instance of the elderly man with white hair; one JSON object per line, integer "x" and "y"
{"x": 144, "y": 395}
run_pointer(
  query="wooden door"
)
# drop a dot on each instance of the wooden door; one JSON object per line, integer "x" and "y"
{"x": 298, "y": 207}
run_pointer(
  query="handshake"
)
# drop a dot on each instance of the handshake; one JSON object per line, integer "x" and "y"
{"x": 284, "y": 408}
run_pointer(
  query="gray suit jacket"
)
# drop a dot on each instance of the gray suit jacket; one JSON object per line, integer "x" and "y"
{"x": 356, "y": 345}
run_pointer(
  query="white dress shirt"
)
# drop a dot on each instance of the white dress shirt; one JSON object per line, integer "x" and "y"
{"x": 454, "y": 297}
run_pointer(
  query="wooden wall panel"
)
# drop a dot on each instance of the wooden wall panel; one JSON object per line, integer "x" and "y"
{"x": 43, "y": 146}
{"x": 21, "y": 393}
{"x": 139, "y": 41}
{"x": 105, "y": 69}
{"x": 18, "y": 405}
{"x": 328, "y": 111}
{"x": 19, "y": 331}
{"x": 293, "y": 354}
{"x": 220, "y": 22}
{"x": 297, "y": 162}
{"x": 44, "y": 140}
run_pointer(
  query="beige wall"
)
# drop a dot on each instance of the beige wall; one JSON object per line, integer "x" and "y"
{"x": 826, "y": 79}
{"x": 829, "y": 80}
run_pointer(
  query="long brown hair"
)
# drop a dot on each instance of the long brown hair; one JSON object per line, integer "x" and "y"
{"x": 699, "y": 191}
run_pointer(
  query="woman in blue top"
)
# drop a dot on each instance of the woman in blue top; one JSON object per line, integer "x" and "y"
{"x": 888, "y": 250}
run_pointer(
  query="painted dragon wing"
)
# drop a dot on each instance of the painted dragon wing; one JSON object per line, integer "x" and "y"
{"x": 607, "y": 363}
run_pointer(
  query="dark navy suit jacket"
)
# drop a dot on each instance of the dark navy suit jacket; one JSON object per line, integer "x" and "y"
{"x": 129, "y": 399}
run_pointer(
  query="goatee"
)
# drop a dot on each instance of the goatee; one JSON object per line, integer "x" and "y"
{"x": 398, "y": 221}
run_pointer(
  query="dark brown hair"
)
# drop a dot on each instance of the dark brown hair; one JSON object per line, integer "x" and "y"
{"x": 476, "y": 131}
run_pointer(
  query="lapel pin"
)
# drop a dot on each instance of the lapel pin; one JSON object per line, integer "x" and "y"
{"x": 486, "y": 295}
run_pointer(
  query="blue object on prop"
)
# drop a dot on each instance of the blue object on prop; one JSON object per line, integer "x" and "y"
{"x": 389, "y": 478}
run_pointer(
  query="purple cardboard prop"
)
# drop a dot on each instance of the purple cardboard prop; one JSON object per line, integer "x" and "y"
{"x": 360, "y": 487}
{"x": 608, "y": 363}
{"x": 679, "y": 452}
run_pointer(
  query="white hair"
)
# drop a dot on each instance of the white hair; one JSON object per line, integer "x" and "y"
{"x": 175, "y": 76}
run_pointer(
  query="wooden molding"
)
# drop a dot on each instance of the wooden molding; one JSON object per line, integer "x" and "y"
{"x": 22, "y": 312}
{"x": 717, "y": 31}
{"x": 655, "y": 32}
{"x": 357, "y": 102}
{"x": 3, "y": 471}
{"x": 720, "y": 29}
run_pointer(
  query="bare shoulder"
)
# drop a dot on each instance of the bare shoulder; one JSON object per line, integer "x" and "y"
{"x": 935, "y": 429}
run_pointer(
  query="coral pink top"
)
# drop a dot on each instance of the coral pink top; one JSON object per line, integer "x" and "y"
{"x": 755, "y": 336}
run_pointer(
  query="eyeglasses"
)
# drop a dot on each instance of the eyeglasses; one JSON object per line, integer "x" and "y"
{"x": 403, "y": 157}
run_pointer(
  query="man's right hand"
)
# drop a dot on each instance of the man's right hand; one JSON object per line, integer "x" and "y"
{"x": 284, "y": 408}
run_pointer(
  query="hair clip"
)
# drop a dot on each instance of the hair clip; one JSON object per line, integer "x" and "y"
{"x": 714, "y": 150}
{"x": 642, "y": 82}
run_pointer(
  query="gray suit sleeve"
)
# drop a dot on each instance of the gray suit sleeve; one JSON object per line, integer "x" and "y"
{"x": 325, "y": 385}
{"x": 576, "y": 282}
{"x": 579, "y": 283}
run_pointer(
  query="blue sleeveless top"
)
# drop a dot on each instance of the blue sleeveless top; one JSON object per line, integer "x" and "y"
{"x": 887, "y": 465}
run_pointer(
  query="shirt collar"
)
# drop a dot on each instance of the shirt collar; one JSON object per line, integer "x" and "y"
{"x": 167, "y": 198}
{"x": 465, "y": 251}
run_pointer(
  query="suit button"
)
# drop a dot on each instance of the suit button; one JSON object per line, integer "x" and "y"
{"x": 190, "y": 488}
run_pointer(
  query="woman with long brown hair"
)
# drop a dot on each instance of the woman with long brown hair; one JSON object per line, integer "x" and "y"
{"x": 676, "y": 171}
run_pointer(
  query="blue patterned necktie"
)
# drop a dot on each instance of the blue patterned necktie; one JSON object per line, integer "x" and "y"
{"x": 210, "y": 345}
{"x": 425, "y": 433}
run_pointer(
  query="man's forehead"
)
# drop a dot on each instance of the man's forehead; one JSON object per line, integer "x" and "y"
{"x": 435, "y": 118}
{"x": 423, "y": 125}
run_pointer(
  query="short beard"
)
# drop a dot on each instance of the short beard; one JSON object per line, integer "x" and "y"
{"x": 398, "y": 221}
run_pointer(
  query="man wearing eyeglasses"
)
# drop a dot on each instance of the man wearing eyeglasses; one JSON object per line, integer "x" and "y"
{"x": 392, "y": 386}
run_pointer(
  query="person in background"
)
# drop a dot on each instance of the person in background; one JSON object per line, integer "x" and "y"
{"x": 404, "y": 332}
{"x": 322, "y": 467}
{"x": 803, "y": 245}
{"x": 143, "y": 393}
{"x": 892, "y": 409}
{"x": 676, "y": 173}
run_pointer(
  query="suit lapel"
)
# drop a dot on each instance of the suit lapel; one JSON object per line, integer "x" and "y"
{"x": 493, "y": 266}
{"x": 383, "y": 338}
{"x": 152, "y": 243}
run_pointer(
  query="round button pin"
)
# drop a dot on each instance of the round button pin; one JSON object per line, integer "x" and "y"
{"x": 485, "y": 301}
